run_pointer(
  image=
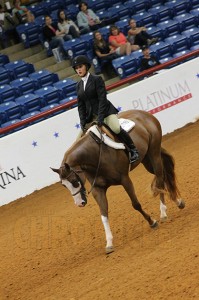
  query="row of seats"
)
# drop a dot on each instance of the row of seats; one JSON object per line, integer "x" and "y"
{"x": 145, "y": 14}
{"x": 172, "y": 47}
{"x": 22, "y": 97}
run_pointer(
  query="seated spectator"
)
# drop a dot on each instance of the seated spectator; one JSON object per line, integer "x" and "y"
{"x": 139, "y": 35}
{"x": 7, "y": 28}
{"x": 105, "y": 53}
{"x": 55, "y": 37}
{"x": 148, "y": 61}
{"x": 119, "y": 42}
{"x": 22, "y": 13}
{"x": 67, "y": 26}
{"x": 87, "y": 20}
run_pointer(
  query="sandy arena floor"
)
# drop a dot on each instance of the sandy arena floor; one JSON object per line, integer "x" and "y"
{"x": 52, "y": 250}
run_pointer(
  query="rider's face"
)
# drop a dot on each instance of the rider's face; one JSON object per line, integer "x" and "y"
{"x": 81, "y": 70}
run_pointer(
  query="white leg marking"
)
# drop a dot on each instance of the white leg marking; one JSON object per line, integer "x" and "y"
{"x": 163, "y": 209}
{"x": 109, "y": 237}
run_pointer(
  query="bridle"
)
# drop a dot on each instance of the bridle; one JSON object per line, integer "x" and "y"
{"x": 82, "y": 190}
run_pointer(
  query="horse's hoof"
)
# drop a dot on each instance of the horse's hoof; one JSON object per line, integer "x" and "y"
{"x": 181, "y": 204}
{"x": 109, "y": 250}
{"x": 163, "y": 219}
{"x": 154, "y": 225}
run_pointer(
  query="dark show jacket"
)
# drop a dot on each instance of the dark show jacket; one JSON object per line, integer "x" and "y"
{"x": 93, "y": 101}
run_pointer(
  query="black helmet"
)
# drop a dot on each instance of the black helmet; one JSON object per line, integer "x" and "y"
{"x": 81, "y": 60}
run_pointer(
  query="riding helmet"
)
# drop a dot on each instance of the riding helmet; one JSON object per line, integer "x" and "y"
{"x": 81, "y": 60}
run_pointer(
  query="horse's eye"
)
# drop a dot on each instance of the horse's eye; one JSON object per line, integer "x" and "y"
{"x": 75, "y": 183}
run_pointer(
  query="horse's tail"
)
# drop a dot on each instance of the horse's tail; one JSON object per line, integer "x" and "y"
{"x": 169, "y": 174}
{"x": 169, "y": 178}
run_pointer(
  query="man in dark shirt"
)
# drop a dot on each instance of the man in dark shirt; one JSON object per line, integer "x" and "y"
{"x": 148, "y": 61}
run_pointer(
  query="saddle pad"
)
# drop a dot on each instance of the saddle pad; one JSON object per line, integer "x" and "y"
{"x": 106, "y": 139}
{"x": 124, "y": 123}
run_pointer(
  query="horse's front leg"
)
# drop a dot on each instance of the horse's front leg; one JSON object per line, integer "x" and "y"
{"x": 129, "y": 188}
{"x": 100, "y": 196}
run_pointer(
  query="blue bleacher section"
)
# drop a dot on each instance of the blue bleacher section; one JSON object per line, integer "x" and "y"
{"x": 25, "y": 92}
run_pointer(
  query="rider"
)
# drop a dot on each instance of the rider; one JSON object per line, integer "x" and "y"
{"x": 94, "y": 105}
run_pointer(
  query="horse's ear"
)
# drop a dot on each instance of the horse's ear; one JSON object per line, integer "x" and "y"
{"x": 56, "y": 170}
{"x": 67, "y": 167}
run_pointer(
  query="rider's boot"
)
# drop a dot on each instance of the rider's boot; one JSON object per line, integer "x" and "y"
{"x": 126, "y": 139}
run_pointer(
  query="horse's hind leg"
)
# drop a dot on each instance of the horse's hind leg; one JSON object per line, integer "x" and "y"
{"x": 154, "y": 166}
{"x": 100, "y": 196}
{"x": 128, "y": 186}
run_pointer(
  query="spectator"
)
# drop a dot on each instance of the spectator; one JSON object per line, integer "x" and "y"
{"x": 119, "y": 42}
{"x": 148, "y": 61}
{"x": 55, "y": 37}
{"x": 7, "y": 28}
{"x": 105, "y": 53}
{"x": 87, "y": 20}
{"x": 22, "y": 13}
{"x": 67, "y": 26}
{"x": 139, "y": 35}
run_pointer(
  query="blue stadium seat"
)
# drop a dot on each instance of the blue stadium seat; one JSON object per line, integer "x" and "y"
{"x": 180, "y": 53}
{"x": 137, "y": 55}
{"x": 125, "y": 66}
{"x": 50, "y": 106}
{"x": 178, "y": 6}
{"x": 29, "y": 34}
{"x": 178, "y": 42}
{"x": 135, "y": 6}
{"x": 193, "y": 35}
{"x": 39, "y": 9}
{"x": 76, "y": 47}
{"x": 194, "y": 4}
{"x": 31, "y": 114}
{"x": 156, "y": 31}
{"x": 8, "y": 123}
{"x": 53, "y": 5}
{"x": 165, "y": 59}
{"x": 72, "y": 11}
{"x": 186, "y": 21}
{"x": 66, "y": 86}
{"x": 161, "y": 12}
{"x": 49, "y": 95}
{"x": 144, "y": 18}
{"x": 161, "y": 49}
{"x": 4, "y": 59}
{"x": 98, "y": 5}
{"x": 5, "y": 76}
{"x": 40, "y": 21}
{"x": 195, "y": 13}
{"x": 24, "y": 85}
{"x": 119, "y": 12}
{"x": 30, "y": 102}
{"x": 154, "y": 3}
{"x": 44, "y": 77}
{"x": 68, "y": 99}
{"x": 19, "y": 68}
{"x": 123, "y": 25}
{"x": 88, "y": 37}
{"x": 7, "y": 93}
{"x": 169, "y": 27}
{"x": 10, "y": 111}
{"x": 105, "y": 31}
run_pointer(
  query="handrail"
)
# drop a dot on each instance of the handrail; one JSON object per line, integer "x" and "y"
{"x": 108, "y": 88}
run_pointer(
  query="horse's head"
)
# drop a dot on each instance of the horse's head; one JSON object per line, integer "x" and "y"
{"x": 71, "y": 180}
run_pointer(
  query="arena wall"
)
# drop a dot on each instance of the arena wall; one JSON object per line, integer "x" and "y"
{"x": 27, "y": 155}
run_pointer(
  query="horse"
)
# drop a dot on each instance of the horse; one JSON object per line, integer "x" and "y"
{"x": 103, "y": 166}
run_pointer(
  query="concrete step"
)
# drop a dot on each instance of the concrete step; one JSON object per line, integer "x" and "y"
{"x": 13, "y": 49}
{"x": 22, "y": 54}
{"x": 36, "y": 57}
{"x": 59, "y": 66}
{"x": 45, "y": 63}
{"x": 66, "y": 73}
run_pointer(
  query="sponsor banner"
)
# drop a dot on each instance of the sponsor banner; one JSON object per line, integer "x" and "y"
{"x": 27, "y": 155}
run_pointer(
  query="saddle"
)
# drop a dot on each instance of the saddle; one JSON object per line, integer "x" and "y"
{"x": 107, "y": 136}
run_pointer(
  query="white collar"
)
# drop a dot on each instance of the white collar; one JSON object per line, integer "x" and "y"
{"x": 85, "y": 78}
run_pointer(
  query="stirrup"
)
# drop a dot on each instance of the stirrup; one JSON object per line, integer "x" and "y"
{"x": 133, "y": 157}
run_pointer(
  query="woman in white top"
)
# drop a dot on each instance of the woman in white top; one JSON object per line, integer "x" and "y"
{"x": 66, "y": 25}
{"x": 86, "y": 18}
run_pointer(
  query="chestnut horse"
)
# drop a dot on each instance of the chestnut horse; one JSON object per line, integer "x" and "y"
{"x": 104, "y": 166}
